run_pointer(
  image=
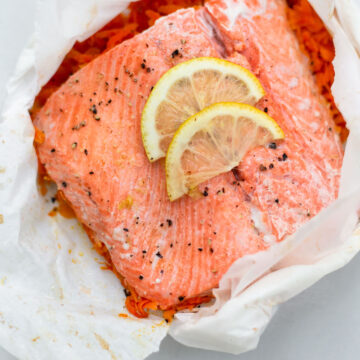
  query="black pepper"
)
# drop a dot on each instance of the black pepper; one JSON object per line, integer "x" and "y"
{"x": 262, "y": 167}
{"x": 272, "y": 146}
{"x": 175, "y": 53}
{"x": 126, "y": 229}
{"x": 169, "y": 222}
{"x": 181, "y": 298}
{"x": 237, "y": 174}
{"x": 141, "y": 277}
{"x": 93, "y": 109}
{"x": 64, "y": 184}
{"x": 158, "y": 254}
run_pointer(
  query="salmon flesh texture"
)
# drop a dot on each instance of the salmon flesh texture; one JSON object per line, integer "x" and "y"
{"x": 93, "y": 149}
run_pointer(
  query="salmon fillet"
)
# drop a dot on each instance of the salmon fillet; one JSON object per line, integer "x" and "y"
{"x": 93, "y": 150}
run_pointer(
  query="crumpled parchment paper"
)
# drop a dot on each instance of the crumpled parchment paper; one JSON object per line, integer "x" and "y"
{"x": 56, "y": 302}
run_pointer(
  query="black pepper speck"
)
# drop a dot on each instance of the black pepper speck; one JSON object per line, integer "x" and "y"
{"x": 175, "y": 53}
{"x": 93, "y": 109}
{"x": 262, "y": 167}
{"x": 272, "y": 146}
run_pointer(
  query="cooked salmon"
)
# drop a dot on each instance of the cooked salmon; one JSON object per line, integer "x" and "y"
{"x": 171, "y": 251}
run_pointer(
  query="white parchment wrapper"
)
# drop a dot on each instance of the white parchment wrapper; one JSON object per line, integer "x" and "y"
{"x": 56, "y": 302}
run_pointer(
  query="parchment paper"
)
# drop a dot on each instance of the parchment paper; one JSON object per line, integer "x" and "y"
{"x": 56, "y": 302}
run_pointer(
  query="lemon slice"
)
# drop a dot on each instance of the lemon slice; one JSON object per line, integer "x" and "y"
{"x": 214, "y": 141}
{"x": 188, "y": 88}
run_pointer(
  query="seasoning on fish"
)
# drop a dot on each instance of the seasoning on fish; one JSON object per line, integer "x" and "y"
{"x": 247, "y": 218}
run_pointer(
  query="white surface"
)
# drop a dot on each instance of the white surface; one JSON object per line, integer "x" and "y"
{"x": 322, "y": 330}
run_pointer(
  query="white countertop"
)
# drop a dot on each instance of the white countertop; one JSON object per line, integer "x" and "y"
{"x": 321, "y": 323}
